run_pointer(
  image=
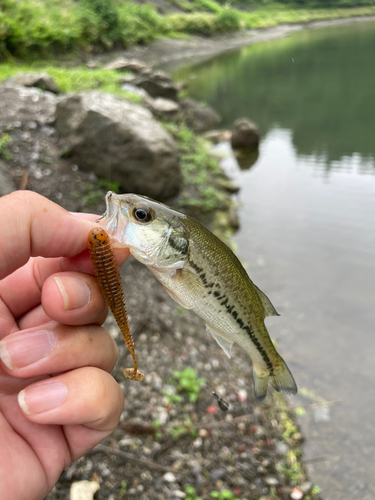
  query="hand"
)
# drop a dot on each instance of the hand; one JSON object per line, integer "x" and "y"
{"x": 57, "y": 397}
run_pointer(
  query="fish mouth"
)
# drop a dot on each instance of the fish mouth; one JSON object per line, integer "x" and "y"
{"x": 115, "y": 219}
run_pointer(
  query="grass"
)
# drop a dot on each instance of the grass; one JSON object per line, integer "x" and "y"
{"x": 78, "y": 79}
{"x": 197, "y": 167}
{"x": 38, "y": 28}
{"x": 5, "y": 140}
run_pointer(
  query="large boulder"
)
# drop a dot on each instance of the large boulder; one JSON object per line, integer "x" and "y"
{"x": 119, "y": 141}
{"x": 245, "y": 134}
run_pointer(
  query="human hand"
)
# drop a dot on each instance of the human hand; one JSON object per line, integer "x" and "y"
{"x": 57, "y": 397}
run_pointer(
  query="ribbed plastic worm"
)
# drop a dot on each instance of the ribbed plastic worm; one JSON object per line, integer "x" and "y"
{"x": 109, "y": 279}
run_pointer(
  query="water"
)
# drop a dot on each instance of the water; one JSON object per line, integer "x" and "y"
{"x": 308, "y": 227}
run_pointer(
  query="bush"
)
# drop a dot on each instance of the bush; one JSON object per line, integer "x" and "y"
{"x": 108, "y": 13}
{"x": 139, "y": 23}
{"x": 196, "y": 24}
{"x": 228, "y": 20}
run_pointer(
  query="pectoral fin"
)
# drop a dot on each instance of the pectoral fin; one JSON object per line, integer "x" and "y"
{"x": 225, "y": 344}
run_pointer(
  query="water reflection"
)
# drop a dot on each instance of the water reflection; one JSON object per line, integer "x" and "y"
{"x": 318, "y": 84}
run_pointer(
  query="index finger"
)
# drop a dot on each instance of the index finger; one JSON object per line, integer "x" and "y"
{"x": 32, "y": 225}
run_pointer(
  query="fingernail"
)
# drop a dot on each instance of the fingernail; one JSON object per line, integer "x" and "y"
{"x": 75, "y": 292}
{"x": 41, "y": 398}
{"x": 23, "y": 349}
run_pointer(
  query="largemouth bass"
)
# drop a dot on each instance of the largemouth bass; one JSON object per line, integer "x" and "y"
{"x": 202, "y": 274}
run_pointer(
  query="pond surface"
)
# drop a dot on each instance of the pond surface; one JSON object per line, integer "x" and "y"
{"x": 308, "y": 227}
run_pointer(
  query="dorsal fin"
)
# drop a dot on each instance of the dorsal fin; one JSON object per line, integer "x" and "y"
{"x": 268, "y": 308}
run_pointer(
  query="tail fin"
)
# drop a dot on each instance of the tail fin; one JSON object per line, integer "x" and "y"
{"x": 282, "y": 380}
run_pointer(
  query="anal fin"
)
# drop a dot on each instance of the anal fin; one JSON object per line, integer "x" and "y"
{"x": 224, "y": 343}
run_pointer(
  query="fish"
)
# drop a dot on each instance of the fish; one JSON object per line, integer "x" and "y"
{"x": 202, "y": 274}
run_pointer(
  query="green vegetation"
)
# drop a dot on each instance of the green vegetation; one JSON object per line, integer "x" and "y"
{"x": 78, "y": 79}
{"x": 36, "y": 28}
{"x": 223, "y": 495}
{"x": 123, "y": 488}
{"x": 183, "y": 428}
{"x": 191, "y": 493}
{"x": 197, "y": 167}
{"x": 5, "y": 140}
{"x": 187, "y": 381}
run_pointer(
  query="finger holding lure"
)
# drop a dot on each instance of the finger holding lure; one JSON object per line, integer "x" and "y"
{"x": 202, "y": 274}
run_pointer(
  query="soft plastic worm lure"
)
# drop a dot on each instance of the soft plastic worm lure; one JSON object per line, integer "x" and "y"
{"x": 109, "y": 279}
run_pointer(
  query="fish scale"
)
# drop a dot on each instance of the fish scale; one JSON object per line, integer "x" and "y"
{"x": 202, "y": 274}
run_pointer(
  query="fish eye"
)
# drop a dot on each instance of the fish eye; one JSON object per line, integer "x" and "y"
{"x": 142, "y": 215}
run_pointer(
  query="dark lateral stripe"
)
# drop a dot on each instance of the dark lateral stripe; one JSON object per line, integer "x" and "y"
{"x": 223, "y": 299}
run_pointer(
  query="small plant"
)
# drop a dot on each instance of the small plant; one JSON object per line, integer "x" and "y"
{"x": 189, "y": 382}
{"x": 172, "y": 398}
{"x": 179, "y": 429}
{"x": 315, "y": 490}
{"x": 123, "y": 487}
{"x": 223, "y": 495}
{"x": 5, "y": 140}
{"x": 191, "y": 493}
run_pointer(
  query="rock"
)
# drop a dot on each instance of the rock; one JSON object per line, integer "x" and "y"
{"x": 39, "y": 80}
{"x": 20, "y": 105}
{"x": 120, "y": 141}
{"x": 163, "y": 107}
{"x": 83, "y": 490}
{"x": 7, "y": 182}
{"x": 135, "y": 90}
{"x": 122, "y": 64}
{"x": 169, "y": 477}
{"x": 271, "y": 481}
{"x": 157, "y": 85}
{"x": 199, "y": 118}
{"x": 296, "y": 494}
{"x": 245, "y": 134}
{"x": 216, "y": 136}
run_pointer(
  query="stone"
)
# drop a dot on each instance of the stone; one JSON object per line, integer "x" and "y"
{"x": 7, "y": 182}
{"x": 122, "y": 64}
{"x": 199, "y": 118}
{"x": 245, "y": 134}
{"x": 163, "y": 107}
{"x": 120, "y": 141}
{"x": 20, "y": 105}
{"x": 39, "y": 80}
{"x": 271, "y": 481}
{"x": 83, "y": 490}
{"x": 169, "y": 477}
{"x": 217, "y": 136}
{"x": 157, "y": 85}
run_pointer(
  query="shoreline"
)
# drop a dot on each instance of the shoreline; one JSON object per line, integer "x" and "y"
{"x": 172, "y": 53}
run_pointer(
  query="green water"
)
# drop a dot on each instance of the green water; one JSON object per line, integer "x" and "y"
{"x": 318, "y": 83}
{"x": 307, "y": 215}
